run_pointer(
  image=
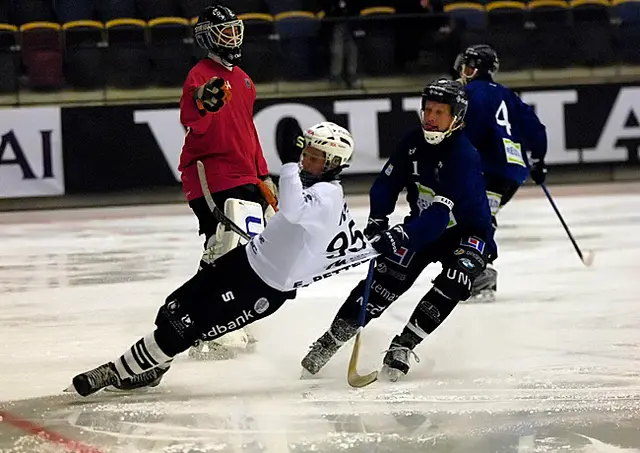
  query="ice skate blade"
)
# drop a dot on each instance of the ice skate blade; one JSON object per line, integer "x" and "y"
{"x": 139, "y": 390}
{"x": 391, "y": 374}
{"x": 306, "y": 374}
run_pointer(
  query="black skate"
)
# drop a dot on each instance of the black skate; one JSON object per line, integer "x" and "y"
{"x": 148, "y": 379}
{"x": 91, "y": 381}
{"x": 396, "y": 361}
{"x": 484, "y": 287}
{"x": 320, "y": 353}
{"x": 326, "y": 346}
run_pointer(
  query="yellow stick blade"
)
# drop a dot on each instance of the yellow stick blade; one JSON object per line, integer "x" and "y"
{"x": 353, "y": 378}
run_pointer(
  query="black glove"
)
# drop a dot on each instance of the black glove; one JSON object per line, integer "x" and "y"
{"x": 211, "y": 96}
{"x": 538, "y": 170}
{"x": 289, "y": 140}
{"x": 389, "y": 242}
{"x": 375, "y": 226}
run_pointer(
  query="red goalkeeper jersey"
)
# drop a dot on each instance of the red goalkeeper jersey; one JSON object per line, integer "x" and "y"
{"x": 226, "y": 141}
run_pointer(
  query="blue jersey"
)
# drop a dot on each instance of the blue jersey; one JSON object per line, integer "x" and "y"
{"x": 503, "y": 129}
{"x": 451, "y": 169}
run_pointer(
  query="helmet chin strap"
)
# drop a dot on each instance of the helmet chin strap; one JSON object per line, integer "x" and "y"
{"x": 464, "y": 78}
{"x": 309, "y": 179}
{"x": 436, "y": 137}
{"x": 219, "y": 59}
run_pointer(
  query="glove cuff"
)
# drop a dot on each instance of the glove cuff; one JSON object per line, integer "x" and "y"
{"x": 444, "y": 200}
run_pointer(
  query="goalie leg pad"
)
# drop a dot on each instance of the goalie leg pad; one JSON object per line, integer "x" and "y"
{"x": 247, "y": 215}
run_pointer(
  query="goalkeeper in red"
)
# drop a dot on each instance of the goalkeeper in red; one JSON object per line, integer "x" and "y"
{"x": 216, "y": 109}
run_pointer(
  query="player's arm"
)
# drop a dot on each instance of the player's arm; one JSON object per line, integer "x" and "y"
{"x": 533, "y": 131}
{"x": 298, "y": 206}
{"x": 385, "y": 190}
{"x": 431, "y": 223}
{"x": 534, "y": 135}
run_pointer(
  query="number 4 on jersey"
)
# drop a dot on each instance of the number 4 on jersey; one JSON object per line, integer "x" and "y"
{"x": 502, "y": 117}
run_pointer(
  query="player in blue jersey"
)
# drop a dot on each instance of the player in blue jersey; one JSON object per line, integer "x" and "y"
{"x": 504, "y": 130}
{"x": 449, "y": 222}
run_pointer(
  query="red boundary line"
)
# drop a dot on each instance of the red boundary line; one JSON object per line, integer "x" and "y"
{"x": 48, "y": 435}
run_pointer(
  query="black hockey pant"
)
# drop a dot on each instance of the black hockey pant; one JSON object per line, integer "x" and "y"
{"x": 219, "y": 299}
{"x": 463, "y": 259}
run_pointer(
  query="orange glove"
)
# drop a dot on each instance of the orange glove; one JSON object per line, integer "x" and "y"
{"x": 268, "y": 192}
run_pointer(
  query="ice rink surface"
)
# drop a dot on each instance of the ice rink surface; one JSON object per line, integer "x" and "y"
{"x": 552, "y": 366}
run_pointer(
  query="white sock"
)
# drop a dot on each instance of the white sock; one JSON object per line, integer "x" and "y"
{"x": 144, "y": 355}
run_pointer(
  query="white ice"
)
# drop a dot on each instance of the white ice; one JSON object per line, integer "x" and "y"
{"x": 552, "y": 365}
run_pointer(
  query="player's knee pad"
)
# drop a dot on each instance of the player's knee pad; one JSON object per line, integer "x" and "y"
{"x": 458, "y": 273}
{"x": 174, "y": 321}
{"x": 454, "y": 284}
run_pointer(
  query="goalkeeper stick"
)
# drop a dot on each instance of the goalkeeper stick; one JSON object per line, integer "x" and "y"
{"x": 217, "y": 213}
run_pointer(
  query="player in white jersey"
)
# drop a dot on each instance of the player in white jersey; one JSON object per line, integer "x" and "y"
{"x": 313, "y": 236}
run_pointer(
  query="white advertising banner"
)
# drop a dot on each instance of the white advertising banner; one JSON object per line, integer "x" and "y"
{"x": 31, "y": 152}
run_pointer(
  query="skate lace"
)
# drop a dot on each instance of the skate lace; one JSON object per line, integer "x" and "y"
{"x": 410, "y": 352}
{"x": 101, "y": 375}
{"x": 316, "y": 346}
{"x": 144, "y": 377}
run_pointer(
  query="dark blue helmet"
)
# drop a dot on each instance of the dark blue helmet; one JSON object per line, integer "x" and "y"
{"x": 481, "y": 58}
{"x": 450, "y": 92}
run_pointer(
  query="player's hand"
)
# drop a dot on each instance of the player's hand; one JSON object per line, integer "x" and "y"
{"x": 375, "y": 226}
{"x": 389, "y": 242}
{"x": 289, "y": 140}
{"x": 213, "y": 95}
{"x": 538, "y": 170}
{"x": 271, "y": 186}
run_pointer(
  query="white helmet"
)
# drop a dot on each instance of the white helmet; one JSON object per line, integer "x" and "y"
{"x": 336, "y": 142}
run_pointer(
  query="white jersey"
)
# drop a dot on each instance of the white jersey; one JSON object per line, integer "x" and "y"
{"x": 311, "y": 237}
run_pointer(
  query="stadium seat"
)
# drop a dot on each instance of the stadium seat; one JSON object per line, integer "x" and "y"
{"x": 74, "y": 10}
{"x": 9, "y": 61}
{"x": 42, "y": 54}
{"x": 152, "y": 9}
{"x": 170, "y": 50}
{"x": 507, "y": 34}
{"x": 593, "y": 32}
{"x": 193, "y": 8}
{"x": 299, "y": 47}
{"x": 276, "y": 7}
{"x": 116, "y": 9}
{"x": 628, "y": 32}
{"x": 85, "y": 46}
{"x": 472, "y": 14}
{"x": 470, "y": 19}
{"x": 376, "y": 47}
{"x": 260, "y": 56}
{"x": 552, "y": 36}
{"x": 249, "y": 6}
{"x": 4, "y": 12}
{"x": 127, "y": 56}
{"x": 23, "y": 11}
{"x": 372, "y": 4}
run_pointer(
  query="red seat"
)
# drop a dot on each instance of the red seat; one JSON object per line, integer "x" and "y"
{"x": 42, "y": 54}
